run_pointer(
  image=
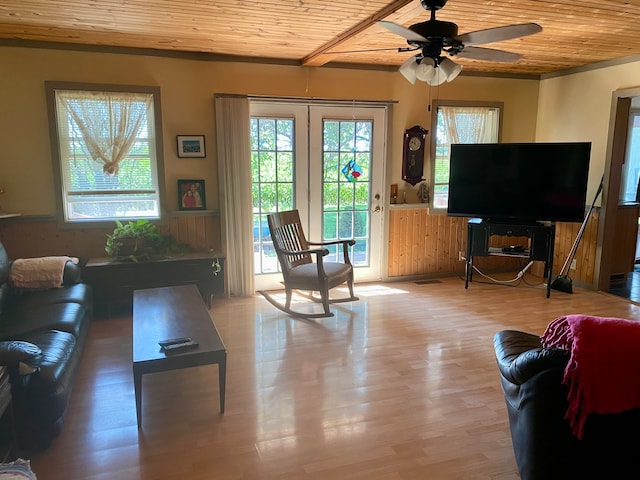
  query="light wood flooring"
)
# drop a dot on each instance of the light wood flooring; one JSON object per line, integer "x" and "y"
{"x": 400, "y": 385}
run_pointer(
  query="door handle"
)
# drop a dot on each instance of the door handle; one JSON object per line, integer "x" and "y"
{"x": 377, "y": 207}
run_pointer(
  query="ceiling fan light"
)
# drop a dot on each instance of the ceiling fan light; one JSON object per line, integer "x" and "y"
{"x": 439, "y": 77}
{"x": 408, "y": 69}
{"x": 450, "y": 69}
{"x": 425, "y": 73}
{"x": 426, "y": 70}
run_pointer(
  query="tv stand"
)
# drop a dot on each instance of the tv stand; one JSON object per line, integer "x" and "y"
{"x": 541, "y": 236}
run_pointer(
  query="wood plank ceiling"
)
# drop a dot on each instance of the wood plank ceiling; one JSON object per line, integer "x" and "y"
{"x": 311, "y": 32}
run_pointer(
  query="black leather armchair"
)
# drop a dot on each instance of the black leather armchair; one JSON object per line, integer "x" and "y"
{"x": 536, "y": 400}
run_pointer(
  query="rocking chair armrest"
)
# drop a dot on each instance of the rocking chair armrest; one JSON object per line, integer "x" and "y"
{"x": 351, "y": 242}
{"x": 320, "y": 252}
{"x": 345, "y": 247}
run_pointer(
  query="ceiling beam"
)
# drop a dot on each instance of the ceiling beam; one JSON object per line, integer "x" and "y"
{"x": 318, "y": 57}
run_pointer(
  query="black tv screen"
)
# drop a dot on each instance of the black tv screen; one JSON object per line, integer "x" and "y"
{"x": 519, "y": 182}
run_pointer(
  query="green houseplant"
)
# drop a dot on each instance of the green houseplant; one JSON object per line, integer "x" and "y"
{"x": 139, "y": 240}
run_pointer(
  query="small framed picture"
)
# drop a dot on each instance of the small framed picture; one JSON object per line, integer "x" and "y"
{"x": 191, "y": 195}
{"x": 191, "y": 146}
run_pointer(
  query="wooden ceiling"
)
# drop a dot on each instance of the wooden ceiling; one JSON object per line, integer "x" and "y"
{"x": 311, "y": 32}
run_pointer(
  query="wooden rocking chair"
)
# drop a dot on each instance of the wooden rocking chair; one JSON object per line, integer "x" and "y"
{"x": 299, "y": 270}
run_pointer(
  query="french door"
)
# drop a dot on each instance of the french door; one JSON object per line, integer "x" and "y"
{"x": 327, "y": 162}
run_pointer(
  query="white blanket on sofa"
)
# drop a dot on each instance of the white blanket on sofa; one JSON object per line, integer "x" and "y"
{"x": 41, "y": 272}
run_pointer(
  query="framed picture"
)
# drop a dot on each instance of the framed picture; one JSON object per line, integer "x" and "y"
{"x": 191, "y": 195}
{"x": 191, "y": 146}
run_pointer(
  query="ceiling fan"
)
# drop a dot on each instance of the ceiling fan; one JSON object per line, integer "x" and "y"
{"x": 434, "y": 38}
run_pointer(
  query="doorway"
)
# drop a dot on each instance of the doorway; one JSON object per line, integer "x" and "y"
{"x": 327, "y": 161}
{"x": 618, "y": 228}
{"x": 625, "y": 278}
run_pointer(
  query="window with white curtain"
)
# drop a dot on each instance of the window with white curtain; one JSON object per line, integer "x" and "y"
{"x": 108, "y": 160}
{"x": 459, "y": 122}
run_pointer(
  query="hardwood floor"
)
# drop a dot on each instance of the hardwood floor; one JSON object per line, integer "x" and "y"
{"x": 400, "y": 385}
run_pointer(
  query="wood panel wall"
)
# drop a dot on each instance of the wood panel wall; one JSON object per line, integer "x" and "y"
{"x": 585, "y": 255}
{"x": 424, "y": 244}
{"x": 25, "y": 237}
{"x": 419, "y": 243}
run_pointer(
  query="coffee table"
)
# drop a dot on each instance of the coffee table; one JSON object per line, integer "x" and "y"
{"x": 173, "y": 312}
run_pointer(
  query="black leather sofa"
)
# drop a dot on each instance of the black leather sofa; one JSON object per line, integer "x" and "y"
{"x": 42, "y": 338}
{"x": 536, "y": 400}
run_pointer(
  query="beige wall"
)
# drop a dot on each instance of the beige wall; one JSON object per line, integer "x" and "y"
{"x": 188, "y": 87}
{"x": 520, "y": 99}
{"x": 577, "y": 107}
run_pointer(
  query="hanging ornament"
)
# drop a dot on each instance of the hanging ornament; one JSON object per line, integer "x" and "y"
{"x": 351, "y": 171}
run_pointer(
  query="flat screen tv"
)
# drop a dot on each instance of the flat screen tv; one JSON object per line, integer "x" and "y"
{"x": 519, "y": 182}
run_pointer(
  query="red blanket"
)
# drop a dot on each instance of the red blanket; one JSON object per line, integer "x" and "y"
{"x": 603, "y": 372}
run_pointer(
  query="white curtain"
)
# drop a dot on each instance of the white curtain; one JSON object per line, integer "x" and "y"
{"x": 236, "y": 200}
{"x": 108, "y": 122}
{"x": 469, "y": 124}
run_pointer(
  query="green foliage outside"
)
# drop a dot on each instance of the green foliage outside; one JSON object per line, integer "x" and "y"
{"x": 135, "y": 173}
{"x": 345, "y": 203}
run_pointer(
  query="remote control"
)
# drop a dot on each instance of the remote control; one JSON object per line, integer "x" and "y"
{"x": 172, "y": 341}
{"x": 178, "y": 346}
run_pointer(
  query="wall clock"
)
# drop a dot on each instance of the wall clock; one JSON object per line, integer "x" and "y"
{"x": 413, "y": 154}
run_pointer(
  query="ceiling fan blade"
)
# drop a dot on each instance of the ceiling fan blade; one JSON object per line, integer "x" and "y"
{"x": 405, "y": 49}
{"x": 498, "y": 34}
{"x": 489, "y": 54}
{"x": 403, "y": 31}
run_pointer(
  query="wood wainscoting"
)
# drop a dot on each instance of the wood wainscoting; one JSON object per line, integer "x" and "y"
{"x": 585, "y": 255}
{"x": 424, "y": 244}
{"x": 419, "y": 243}
{"x": 25, "y": 237}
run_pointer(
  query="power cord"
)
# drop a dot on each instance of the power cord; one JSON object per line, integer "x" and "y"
{"x": 495, "y": 280}
{"x": 514, "y": 282}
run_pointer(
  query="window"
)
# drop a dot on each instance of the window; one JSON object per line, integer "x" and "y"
{"x": 107, "y": 154}
{"x": 272, "y": 167}
{"x": 347, "y": 158}
{"x": 459, "y": 122}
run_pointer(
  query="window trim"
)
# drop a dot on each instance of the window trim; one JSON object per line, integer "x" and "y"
{"x": 50, "y": 88}
{"x": 434, "y": 122}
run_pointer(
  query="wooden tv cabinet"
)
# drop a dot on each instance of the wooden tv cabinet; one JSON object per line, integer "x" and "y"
{"x": 114, "y": 281}
{"x": 541, "y": 242}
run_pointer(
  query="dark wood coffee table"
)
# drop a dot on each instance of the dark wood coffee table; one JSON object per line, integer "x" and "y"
{"x": 173, "y": 312}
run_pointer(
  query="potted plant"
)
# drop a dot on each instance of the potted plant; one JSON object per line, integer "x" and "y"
{"x": 139, "y": 240}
